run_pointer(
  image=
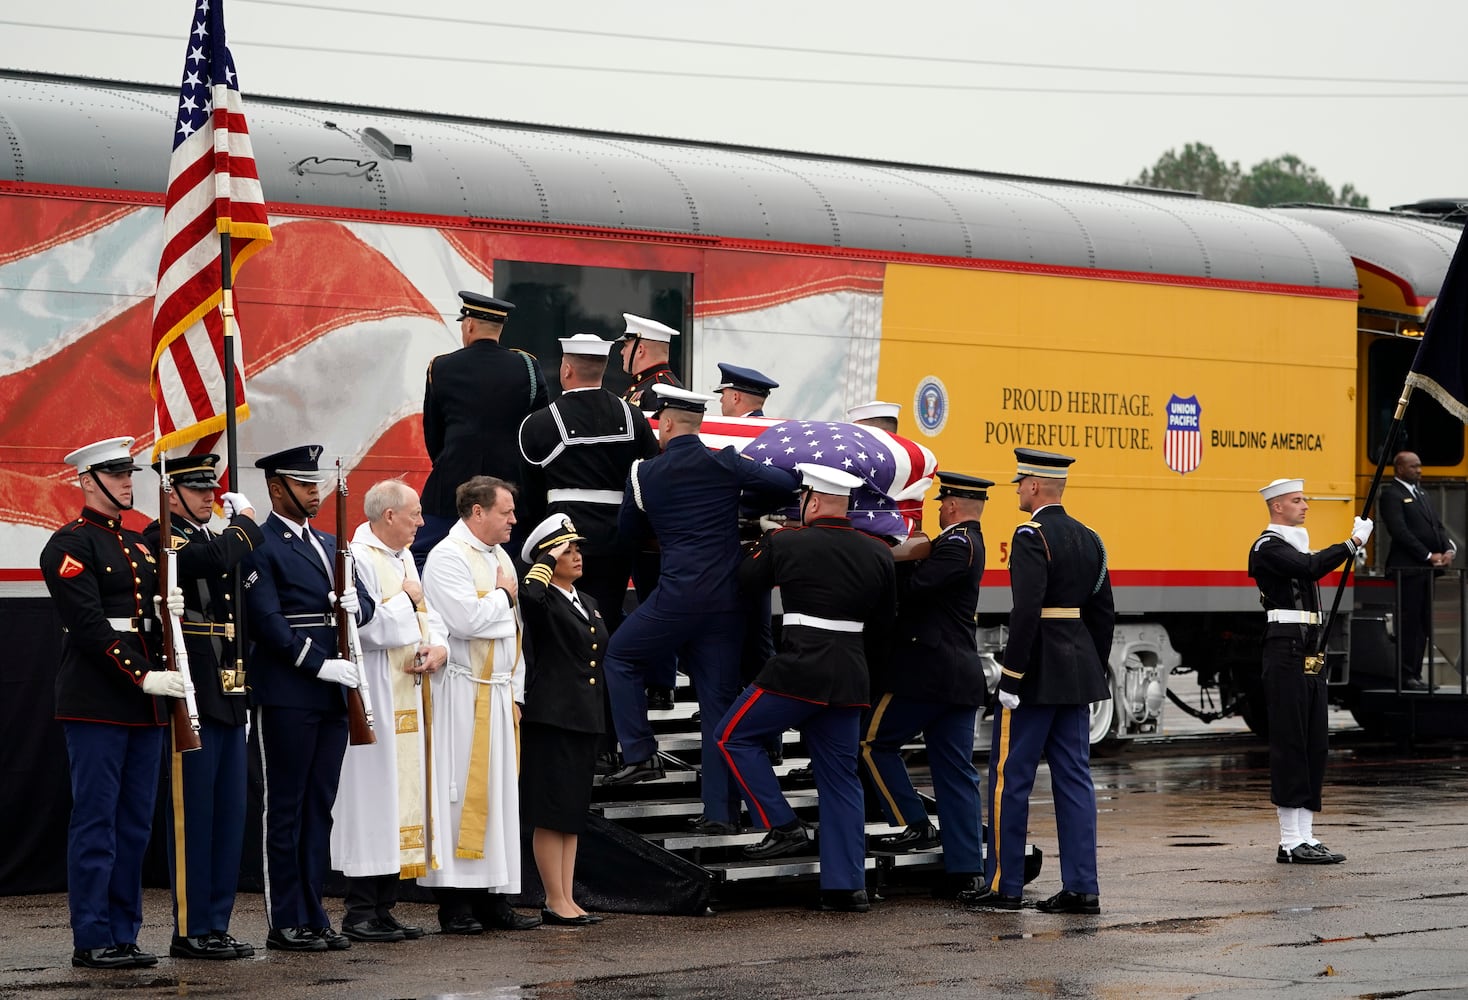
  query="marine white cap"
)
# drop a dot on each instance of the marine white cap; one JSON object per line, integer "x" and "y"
{"x": 874, "y": 409}
{"x": 649, "y": 329}
{"x": 1280, "y": 487}
{"x": 665, "y": 396}
{"x": 112, "y": 455}
{"x": 588, "y": 344}
{"x": 824, "y": 479}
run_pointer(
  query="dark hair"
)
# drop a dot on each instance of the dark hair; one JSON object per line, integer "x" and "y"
{"x": 481, "y": 490}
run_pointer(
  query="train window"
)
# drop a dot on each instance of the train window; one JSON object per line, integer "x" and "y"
{"x": 558, "y": 300}
{"x": 1429, "y": 430}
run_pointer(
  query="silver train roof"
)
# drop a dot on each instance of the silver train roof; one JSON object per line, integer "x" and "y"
{"x": 117, "y": 136}
{"x": 1413, "y": 249}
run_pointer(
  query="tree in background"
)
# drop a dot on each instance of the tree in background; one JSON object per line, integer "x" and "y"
{"x": 1285, "y": 178}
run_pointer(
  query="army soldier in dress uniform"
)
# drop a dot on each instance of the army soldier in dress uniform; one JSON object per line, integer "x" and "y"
{"x": 933, "y": 683}
{"x": 876, "y": 413}
{"x": 1287, "y": 572}
{"x": 298, "y": 693}
{"x": 743, "y": 391}
{"x": 207, "y": 786}
{"x": 473, "y": 402}
{"x": 688, "y": 497}
{"x": 644, "y": 352}
{"x": 1054, "y": 667}
{"x": 839, "y": 593}
{"x": 103, "y": 580}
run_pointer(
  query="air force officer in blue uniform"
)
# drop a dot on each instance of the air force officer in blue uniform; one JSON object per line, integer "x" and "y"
{"x": 298, "y": 692}
{"x": 1054, "y": 667}
{"x": 689, "y": 498}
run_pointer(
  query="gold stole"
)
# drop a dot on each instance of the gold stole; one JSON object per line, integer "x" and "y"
{"x": 474, "y": 820}
{"x": 412, "y": 803}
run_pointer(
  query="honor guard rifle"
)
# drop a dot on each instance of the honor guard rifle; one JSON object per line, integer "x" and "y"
{"x": 349, "y": 644}
{"x": 184, "y": 712}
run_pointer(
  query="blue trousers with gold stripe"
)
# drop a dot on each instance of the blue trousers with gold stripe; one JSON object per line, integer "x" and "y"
{"x": 207, "y": 787}
{"x": 1063, "y": 734}
{"x": 949, "y": 733}
{"x": 831, "y": 734}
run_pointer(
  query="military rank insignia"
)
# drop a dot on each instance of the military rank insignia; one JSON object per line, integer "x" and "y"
{"x": 70, "y": 567}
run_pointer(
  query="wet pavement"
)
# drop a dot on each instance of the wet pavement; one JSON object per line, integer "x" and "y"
{"x": 1193, "y": 906}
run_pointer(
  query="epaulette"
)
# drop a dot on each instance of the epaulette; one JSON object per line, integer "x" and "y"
{"x": 1033, "y": 527}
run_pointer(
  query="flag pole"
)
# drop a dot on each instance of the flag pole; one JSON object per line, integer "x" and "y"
{"x": 232, "y": 435}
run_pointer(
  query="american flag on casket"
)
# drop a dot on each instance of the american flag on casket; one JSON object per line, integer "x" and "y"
{"x": 897, "y": 472}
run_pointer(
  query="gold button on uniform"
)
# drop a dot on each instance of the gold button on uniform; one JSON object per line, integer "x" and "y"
{"x": 592, "y": 680}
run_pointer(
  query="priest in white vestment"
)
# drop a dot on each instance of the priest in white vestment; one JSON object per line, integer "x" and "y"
{"x": 471, "y": 583}
{"x": 381, "y": 822}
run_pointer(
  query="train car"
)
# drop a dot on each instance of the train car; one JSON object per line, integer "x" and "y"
{"x": 1185, "y": 351}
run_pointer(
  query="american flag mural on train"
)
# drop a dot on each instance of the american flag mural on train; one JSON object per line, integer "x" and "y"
{"x": 338, "y": 322}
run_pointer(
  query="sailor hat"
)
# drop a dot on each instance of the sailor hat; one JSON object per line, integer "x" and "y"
{"x": 876, "y": 409}
{"x": 547, "y": 535}
{"x": 1280, "y": 487}
{"x": 112, "y": 455}
{"x": 647, "y": 329}
{"x": 587, "y": 344}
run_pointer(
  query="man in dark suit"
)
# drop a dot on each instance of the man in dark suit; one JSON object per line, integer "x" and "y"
{"x": 474, "y": 400}
{"x": 298, "y": 693}
{"x": 1419, "y": 545}
{"x": 207, "y": 786}
{"x": 933, "y": 683}
{"x": 1055, "y": 665}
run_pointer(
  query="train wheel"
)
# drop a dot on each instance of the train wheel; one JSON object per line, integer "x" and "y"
{"x": 1103, "y": 722}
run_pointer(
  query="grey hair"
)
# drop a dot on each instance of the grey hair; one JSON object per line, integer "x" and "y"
{"x": 385, "y": 496}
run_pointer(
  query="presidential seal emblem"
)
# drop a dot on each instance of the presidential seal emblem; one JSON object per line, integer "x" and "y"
{"x": 930, "y": 405}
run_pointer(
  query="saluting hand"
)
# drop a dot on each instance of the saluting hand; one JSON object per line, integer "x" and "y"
{"x": 559, "y": 550}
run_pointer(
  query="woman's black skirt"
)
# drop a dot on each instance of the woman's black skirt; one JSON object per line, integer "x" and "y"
{"x": 557, "y": 767}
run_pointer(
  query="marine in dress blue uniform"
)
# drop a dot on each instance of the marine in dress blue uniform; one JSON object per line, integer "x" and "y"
{"x": 933, "y": 683}
{"x": 298, "y": 696}
{"x": 207, "y": 786}
{"x": 102, "y": 578}
{"x": 688, "y": 497}
{"x": 838, "y": 590}
{"x": 1055, "y": 665}
{"x": 474, "y": 400}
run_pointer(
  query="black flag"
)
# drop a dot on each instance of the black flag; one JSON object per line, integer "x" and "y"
{"x": 1441, "y": 365}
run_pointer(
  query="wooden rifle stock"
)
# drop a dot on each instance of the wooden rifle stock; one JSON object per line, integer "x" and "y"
{"x": 359, "y": 719}
{"x": 184, "y": 715}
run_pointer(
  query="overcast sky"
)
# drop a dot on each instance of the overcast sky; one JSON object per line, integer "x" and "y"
{"x": 989, "y": 86}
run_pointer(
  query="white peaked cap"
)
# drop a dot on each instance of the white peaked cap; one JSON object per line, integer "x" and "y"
{"x": 649, "y": 329}
{"x": 873, "y": 409}
{"x": 1280, "y": 487}
{"x": 823, "y": 479}
{"x": 588, "y": 344}
{"x": 112, "y": 455}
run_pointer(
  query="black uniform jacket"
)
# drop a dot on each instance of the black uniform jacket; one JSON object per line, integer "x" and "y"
{"x": 206, "y": 564}
{"x": 586, "y": 440}
{"x": 1415, "y": 528}
{"x": 564, "y": 685}
{"x": 1059, "y": 657}
{"x": 473, "y": 401}
{"x": 1287, "y": 577}
{"x": 643, "y": 382}
{"x": 285, "y": 582}
{"x": 829, "y": 570}
{"x": 96, "y": 569}
{"x": 936, "y": 653}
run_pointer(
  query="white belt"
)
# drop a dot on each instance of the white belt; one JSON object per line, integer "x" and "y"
{"x": 1293, "y": 617}
{"x": 130, "y": 624}
{"x": 829, "y": 624}
{"x": 584, "y": 496}
{"x": 459, "y": 670}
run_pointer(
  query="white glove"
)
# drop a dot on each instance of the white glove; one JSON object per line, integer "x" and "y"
{"x": 343, "y": 672}
{"x": 348, "y": 602}
{"x": 235, "y": 503}
{"x": 175, "y": 603}
{"x": 1009, "y": 701}
{"x": 164, "y": 684}
{"x": 772, "y": 522}
{"x": 1362, "y": 529}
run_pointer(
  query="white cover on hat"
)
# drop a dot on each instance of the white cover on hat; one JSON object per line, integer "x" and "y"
{"x": 550, "y": 526}
{"x": 665, "y": 391}
{"x": 873, "y": 409}
{"x": 1280, "y": 487}
{"x": 649, "y": 329}
{"x": 116, "y": 449}
{"x": 824, "y": 479}
{"x": 588, "y": 344}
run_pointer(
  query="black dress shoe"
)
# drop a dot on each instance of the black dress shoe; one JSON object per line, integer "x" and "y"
{"x": 334, "y": 940}
{"x": 1413, "y": 684}
{"x": 372, "y": 931}
{"x": 985, "y": 898}
{"x": 110, "y": 957}
{"x": 712, "y": 827}
{"x": 294, "y": 939}
{"x": 508, "y": 920}
{"x": 592, "y": 918}
{"x": 1066, "y": 901}
{"x": 950, "y": 884}
{"x": 659, "y": 699}
{"x": 141, "y": 959}
{"x": 644, "y": 770}
{"x": 775, "y": 754}
{"x": 1335, "y": 858}
{"x": 242, "y": 949}
{"x": 917, "y": 837}
{"x": 461, "y": 924}
{"x": 1302, "y": 854}
{"x": 410, "y": 932}
{"x": 844, "y": 901}
{"x": 778, "y": 843}
{"x": 205, "y": 946}
{"x": 554, "y": 919}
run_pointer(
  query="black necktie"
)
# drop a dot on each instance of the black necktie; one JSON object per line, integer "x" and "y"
{"x": 576, "y": 603}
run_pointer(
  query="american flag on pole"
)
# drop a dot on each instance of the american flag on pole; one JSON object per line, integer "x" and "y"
{"x": 897, "y": 472}
{"x": 213, "y": 188}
